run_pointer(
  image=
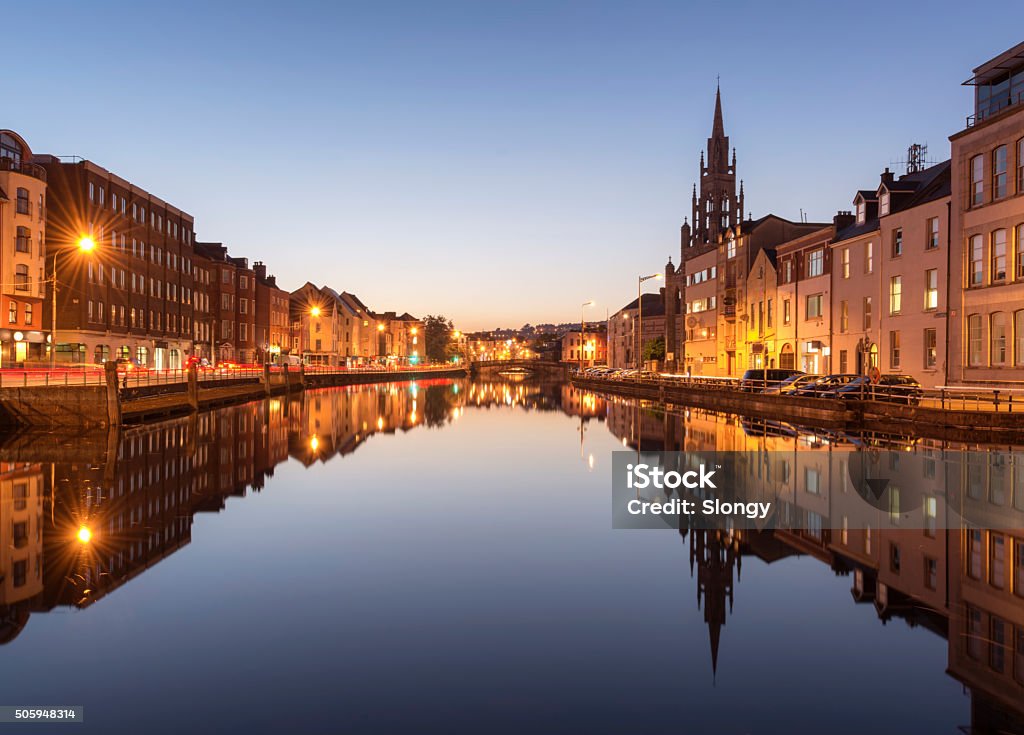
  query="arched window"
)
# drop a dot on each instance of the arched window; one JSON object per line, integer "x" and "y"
{"x": 997, "y": 334}
{"x": 10, "y": 148}
{"x": 974, "y": 340}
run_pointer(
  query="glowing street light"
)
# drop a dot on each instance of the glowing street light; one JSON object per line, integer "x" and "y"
{"x": 315, "y": 311}
{"x": 84, "y": 534}
{"x": 582, "y": 328}
{"x": 85, "y": 245}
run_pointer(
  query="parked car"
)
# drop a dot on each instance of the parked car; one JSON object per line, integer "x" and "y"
{"x": 894, "y": 388}
{"x": 826, "y": 386}
{"x": 758, "y": 381}
{"x": 792, "y": 384}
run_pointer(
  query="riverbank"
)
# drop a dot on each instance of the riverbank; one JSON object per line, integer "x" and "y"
{"x": 110, "y": 403}
{"x": 831, "y": 413}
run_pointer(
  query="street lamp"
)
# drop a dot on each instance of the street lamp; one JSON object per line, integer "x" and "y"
{"x": 640, "y": 307}
{"x": 85, "y": 245}
{"x": 315, "y": 311}
{"x": 582, "y": 330}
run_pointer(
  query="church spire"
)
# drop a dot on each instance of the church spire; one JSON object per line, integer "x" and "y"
{"x": 718, "y": 127}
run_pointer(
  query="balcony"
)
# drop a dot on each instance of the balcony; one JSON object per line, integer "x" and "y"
{"x": 23, "y": 167}
{"x": 994, "y": 107}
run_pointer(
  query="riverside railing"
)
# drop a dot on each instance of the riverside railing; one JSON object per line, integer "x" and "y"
{"x": 947, "y": 397}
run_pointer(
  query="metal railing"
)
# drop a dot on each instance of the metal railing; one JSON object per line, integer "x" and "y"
{"x": 945, "y": 397}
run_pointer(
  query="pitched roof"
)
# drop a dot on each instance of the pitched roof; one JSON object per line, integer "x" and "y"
{"x": 654, "y": 304}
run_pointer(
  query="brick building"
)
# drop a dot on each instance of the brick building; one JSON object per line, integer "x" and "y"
{"x": 130, "y": 294}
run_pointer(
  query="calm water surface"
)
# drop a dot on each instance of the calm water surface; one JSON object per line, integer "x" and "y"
{"x": 439, "y": 557}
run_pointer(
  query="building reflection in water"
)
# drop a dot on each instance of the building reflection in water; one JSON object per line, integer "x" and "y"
{"x": 82, "y": 515}
{"x": 965, "y": 584}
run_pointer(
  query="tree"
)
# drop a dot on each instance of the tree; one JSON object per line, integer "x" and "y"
{"x": 654, "y": 349}
{"x": 437, "y": 335}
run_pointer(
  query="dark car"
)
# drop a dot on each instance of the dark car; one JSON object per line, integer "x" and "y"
{"x": 759, "y": 381}
{"x": 793, "y": 384}
{"x": 826, "y": 386}
{"x": 893, "y": 388}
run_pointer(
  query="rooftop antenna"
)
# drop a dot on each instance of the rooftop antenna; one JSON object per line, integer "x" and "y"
{"x": 917, "y": 159}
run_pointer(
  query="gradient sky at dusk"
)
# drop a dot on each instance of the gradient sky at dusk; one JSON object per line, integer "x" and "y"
{"x": 498, "y": 163}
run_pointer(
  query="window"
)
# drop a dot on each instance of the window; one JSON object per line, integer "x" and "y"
{"x": 861, "y": 211}
{"x": 997, "y": 645}
{"x": 1020, "y": 166}
{"x": 894, "y": 350}
{"x": 23, "y": 240}
{"x": 883, "y": 204}
{"x": 975, "y": 635}
{"x": 730, "y": 248}
{"x": 787, "y": 272}
{"x": 999, "y": 168}
{"x": 12, "y": 312}
{"x": 977, "y": 190}
{"x": 931, "y": 289}
{"x": 894, "y": 558}
{"x": 998, "y": 255}
{"x": 1019, "y": 253}
{"x": 843, "y": 361}
{"x": 933, "y": 234}
{"x": 844, "y": 260}
{"x": 897, "y": 242}
{"x": 1018, "y": 346}
{"x": 1018, "y": 578}
{"x": 21, "y": 282}
{"x": 815, "y": 263}
{"x": 24, "y": 205}
{"x": 867, "y": 313}
{"x": 786, "y": 311}
{"x": 974, "y": 545}
{"x": 869, "y": 257}
{"x": 997, "y": 561}
{"x": 997, "y": 332}
{"x": 974, "y": 343}
{"x": 844, "y": 317}
{"x": 931, "y": 573}
{"x": 813, "y": 306}
{"x": 895, "y": 294}
{"x": 976, "y": 267}
{"x": 931, "y": 352}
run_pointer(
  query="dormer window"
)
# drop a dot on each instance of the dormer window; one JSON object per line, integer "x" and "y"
{"x": 883, "y": 203}
{"x": 862, "y": 212}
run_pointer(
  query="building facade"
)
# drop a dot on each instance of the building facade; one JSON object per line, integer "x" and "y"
{"x": 272, "y": 320}
{"x": 804, "y": 298}
{"x": 585, "y": 348}
{"x": 122, "y": 258}
{"x": 987, "y": 245}
{"x": 22, "y": 253}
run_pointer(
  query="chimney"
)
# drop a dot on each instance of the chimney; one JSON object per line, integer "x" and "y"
{"x": 887, "y": 177}
{"x": 260, "y": 269}
{"x": 842, "y": 220}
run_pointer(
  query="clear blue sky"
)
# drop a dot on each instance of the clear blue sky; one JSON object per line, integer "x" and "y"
{"x": 496, "y": 162}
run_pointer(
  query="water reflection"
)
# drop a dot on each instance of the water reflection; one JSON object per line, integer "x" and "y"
{"x": 93, "y": 512}
{"x": 82, "y": 516}
{"x": 964, "y": 584}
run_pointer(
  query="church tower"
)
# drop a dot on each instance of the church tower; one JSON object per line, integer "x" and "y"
{"x": 717, "y": 207}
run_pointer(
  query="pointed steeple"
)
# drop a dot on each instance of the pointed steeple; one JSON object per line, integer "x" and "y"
{"x": 718, "y": 127}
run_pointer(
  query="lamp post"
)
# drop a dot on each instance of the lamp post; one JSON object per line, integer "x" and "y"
{"x": 582, "y": 335}
{"x": 640, "y": 307}
{"x": 85, "y": 245}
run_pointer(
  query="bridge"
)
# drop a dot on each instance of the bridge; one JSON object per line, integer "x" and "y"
{"x": 536, "y": 368}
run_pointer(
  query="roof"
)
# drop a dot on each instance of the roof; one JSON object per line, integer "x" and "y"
{"x": 654, "y": 305}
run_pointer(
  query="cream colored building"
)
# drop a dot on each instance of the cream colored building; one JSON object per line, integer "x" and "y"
{"x": 804, "y": 296}
{"x": 700, "y": 314}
